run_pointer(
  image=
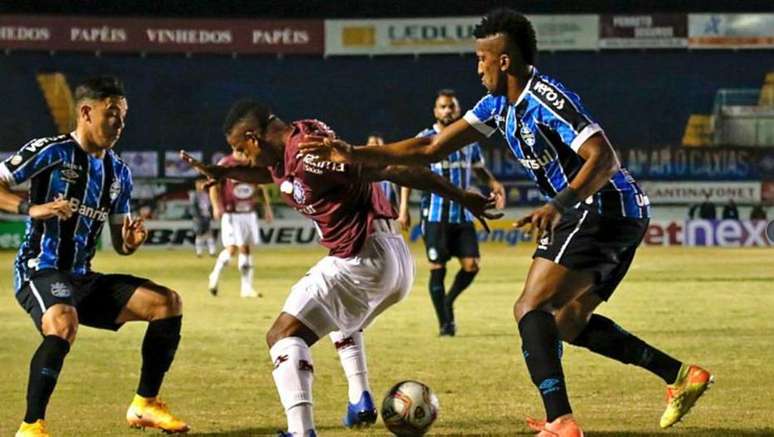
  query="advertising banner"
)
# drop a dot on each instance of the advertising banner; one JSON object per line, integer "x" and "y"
{"x": 696, "y": 192}
{"x": 449, "y": 34}
{"x": 24, "y": 32}
{"x": 503, "y": 232}
{"x": 142, "y": 164}
{"x": 643, "y": 31}
{"x": 724, "y": 233}
{"x": 753, "y": 31}
{"x": 11, "y": 234}
{"x": 705, "y": 163}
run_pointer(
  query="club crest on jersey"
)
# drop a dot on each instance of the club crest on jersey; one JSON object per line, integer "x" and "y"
{"x": 527, "y": 135}
{"x": 115, "y": 190}
{"x": 299, "y": 195}
{"x": 243, "y": 191}
{"x": 60, "y": 289}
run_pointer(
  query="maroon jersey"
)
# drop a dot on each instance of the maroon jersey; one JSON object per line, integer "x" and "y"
{"x": 335, "y": 196}
{"x": 236, "y": 196}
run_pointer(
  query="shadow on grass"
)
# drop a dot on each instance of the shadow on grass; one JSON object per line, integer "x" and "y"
{"x": 703, "y": 432}
{"x": 246, "y": 432}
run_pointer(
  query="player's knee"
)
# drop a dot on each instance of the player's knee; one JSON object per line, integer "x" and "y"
{"x": 570, "y": 321}
{"x": 524, "y": 305}
{"x": 471, "y": 265}
{"x": 232, "y": 250}
{"x": 275, "y": 334}
{"x": 171, "y": 305}
{"x": 61, "y": 321}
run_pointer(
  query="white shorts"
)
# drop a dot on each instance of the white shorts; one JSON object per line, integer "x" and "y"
{"x": 239, "y": 229}
{"x": 346, "y": 294}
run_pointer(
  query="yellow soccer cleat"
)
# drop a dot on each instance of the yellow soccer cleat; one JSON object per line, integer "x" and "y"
{"x": 692, "y": 381}
{"x": 152, "y": 413}
{"x": 35, "y": 429}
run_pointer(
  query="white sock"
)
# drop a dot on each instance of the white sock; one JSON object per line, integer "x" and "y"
{"x": 221, "y": 262}
{"x": 198, "y": 245}
{"x": 246, "y": 269}
{"x": 293, "y": 375}
{"x": 351, "y": 349}
{"x": 211, "y": 245}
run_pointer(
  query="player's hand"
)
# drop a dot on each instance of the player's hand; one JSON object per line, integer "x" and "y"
{"x": 543, "y": 219}
{"x": 479, "y": 206}
{"x": 326, "y": 148}
{"x": 404, "y": 218}
{"x": 499, "y": 192}
{"x": 133, "y": 233}
{"x": 59, "y": 208}
{"x": 213, "y": 172}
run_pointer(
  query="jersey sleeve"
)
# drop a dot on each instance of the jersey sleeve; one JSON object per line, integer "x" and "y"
{"x": 563, "y": 112}
{"x": 30, "y": 160}
{"x": 482, "y": 116}
{"x": 122, "y": 205}
{"x": 476, "y": 157}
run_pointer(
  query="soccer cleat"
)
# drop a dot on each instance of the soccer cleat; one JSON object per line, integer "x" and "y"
{"x": 362, "y": 414}
{"x": 213, "y": 291}
{"x": 564, "y": 426}
{"x": 692, "y": 381}
{"x": 448, "y": 329}
{"x": 34, "y": 429}
{"x": 250, "y": 294}
{"x": 213, "y": 284}
{"x": 309, "y": 433}
{"x": 152, "y": 413}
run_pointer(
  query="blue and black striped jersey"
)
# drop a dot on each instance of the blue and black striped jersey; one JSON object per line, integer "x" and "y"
{"x": 390, "y": 191}
{"x": 97, "y": 189}
{"x": 544, "y": 129}
{"x": 457, "y": 169}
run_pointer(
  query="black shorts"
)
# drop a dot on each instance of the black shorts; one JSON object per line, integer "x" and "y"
{"x": 445, "y": 240}
{"x": 98, "y": 298}
{"x": 584, "y": 240}
{"x": 201, "y": 225}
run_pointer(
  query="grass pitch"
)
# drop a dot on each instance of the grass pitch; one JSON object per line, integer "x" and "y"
{"x": 714, "y": 307}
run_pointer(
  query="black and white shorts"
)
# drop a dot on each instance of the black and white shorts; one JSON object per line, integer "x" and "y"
{"x": 446, "y": 240}
{"x": 587, "y": 241}
{"x": 98, "y": 298}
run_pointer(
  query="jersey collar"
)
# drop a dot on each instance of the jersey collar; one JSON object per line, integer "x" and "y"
{"x": 532, "y": 74}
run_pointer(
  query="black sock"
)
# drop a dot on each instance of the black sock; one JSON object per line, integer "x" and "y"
{"x": 542, "y": 351}
{"x": 44, "y": 371}
{"x": 606, "y": 338}
{"x": 461, "y": 281}
{"x": 158, "y": 351}
{"x": 438, "y": 293}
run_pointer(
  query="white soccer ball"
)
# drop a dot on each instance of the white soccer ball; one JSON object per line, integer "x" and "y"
{"x": 409, "y": 409}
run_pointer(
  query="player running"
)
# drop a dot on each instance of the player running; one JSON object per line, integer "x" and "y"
{"x": 235, "y": 204}
{"x": 77, "y": 183}
{"x": 369, "y": 267}
{"x": 591, "y": 227}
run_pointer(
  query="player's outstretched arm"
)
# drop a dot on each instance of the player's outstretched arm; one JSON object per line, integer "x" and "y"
{"x": 422, "y": 178}
{"x": 414, "y": 151}
{"x": 244, "y": 173}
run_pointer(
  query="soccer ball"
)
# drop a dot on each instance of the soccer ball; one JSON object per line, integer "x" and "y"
{"x": 409, "y": 409}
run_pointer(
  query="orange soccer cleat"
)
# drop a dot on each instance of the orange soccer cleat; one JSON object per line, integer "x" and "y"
{"x": 564, "y": 426}
{"x": 152, "y": 413}
{"x": 692, "y": 381}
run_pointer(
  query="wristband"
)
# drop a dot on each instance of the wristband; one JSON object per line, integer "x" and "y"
{"x": 24, "y": 207}
{"x": 565, "y": 200}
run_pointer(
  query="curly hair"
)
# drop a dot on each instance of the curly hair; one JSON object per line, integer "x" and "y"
{"x": 244, "y": 108}
{"x": 515, "y": 26}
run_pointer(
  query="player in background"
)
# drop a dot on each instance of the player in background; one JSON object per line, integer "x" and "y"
{"x": 447, "y": 227}
{"x": 369, "y": 267}
{"x": 201, "y": 212}
{"x": 391, "y": 191}
{"x": 591, "y": 227}
{"x": 77, "y": 183}
{"x": 235, "y": 204}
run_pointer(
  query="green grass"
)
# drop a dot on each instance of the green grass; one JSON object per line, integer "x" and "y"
{"x": 710, "y": 306}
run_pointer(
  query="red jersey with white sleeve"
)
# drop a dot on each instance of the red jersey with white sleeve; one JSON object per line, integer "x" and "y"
{"x": 334, "y": 195}
{"x": 236, "y": 196}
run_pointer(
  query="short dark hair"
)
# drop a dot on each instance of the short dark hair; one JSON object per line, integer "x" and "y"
{"x": 98, "y": 88}
{"x": 375, "y": 134}
{"x": 515, "y": 26}
{"x": 244, "y": 108}
{"x": 446, "y": 92}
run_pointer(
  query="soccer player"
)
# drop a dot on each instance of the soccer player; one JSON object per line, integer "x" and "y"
{"x": 201, "y": 211}
{"x": 235, "y": 204}
{"x": 447, "y": 227}
{"x": 369, "y": 267}
{"x": 592, "y": 225}
{"x": 77, "y": 183}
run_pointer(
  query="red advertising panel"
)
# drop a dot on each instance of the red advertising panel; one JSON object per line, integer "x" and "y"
{"x": 161, "y": 35}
